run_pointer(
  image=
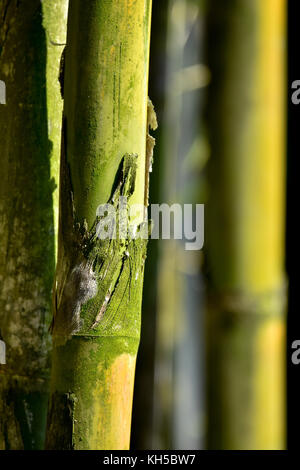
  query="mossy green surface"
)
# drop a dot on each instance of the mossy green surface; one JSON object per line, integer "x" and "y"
{"x": 30, "y": 123}
{"x": 98, "y": 288}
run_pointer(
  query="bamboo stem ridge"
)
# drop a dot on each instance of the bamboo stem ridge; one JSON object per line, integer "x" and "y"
{"x": 30, "y": 129}
{"x": 245, "y": 225}
{"x": 96, "y": 324}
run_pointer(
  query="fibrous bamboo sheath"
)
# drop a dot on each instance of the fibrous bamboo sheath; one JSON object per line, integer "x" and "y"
{"x": 245, "y": 225}
{"x": 30, "y": 123}
{"x": 96, "y": 324}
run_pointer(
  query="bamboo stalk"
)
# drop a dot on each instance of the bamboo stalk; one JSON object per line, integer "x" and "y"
{"x": 245, "y": 225}
{"x": 96, "y": 325}
{"x": 30, "y": 124}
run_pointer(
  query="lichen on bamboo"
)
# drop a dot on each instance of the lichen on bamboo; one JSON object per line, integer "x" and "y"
{"x": 92, "y": 299}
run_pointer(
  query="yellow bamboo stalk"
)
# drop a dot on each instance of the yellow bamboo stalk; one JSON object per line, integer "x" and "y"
{"x": 245, "y": 225}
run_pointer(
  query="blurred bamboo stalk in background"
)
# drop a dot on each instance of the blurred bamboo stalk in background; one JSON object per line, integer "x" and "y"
{"x": 143, "y": 403}
{"x": 168, "y": 276}
{"x": 245, "y": 225}
{"x": 178, "y": 400}
{"x": 30, "y": 125}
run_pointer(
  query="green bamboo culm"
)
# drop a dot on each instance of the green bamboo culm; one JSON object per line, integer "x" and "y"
{"x": 97, "y": 303}
{"x": 245, "y": 225}
{"x": 30, "y": 129}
